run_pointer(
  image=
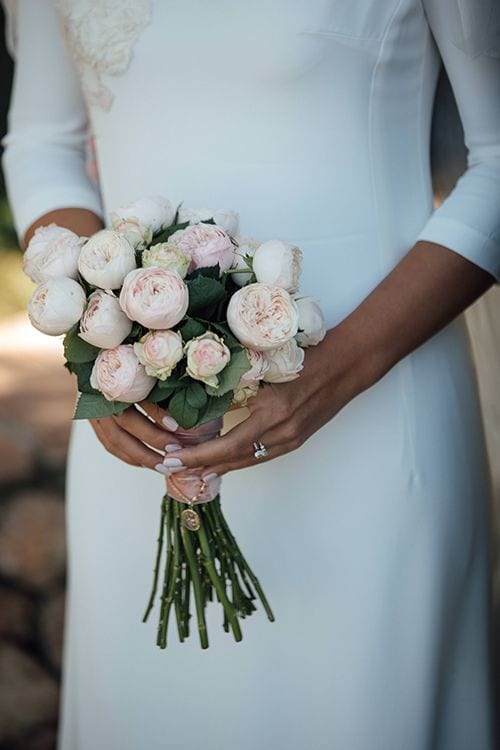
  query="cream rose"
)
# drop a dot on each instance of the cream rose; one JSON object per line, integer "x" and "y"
{"x": 312, "y": 328}
{"x": 56, "y": 305}
{"x": 223, "y": 217}
{"x": 155, "y": 297}
{"x": 276, "y": 262}
{"x": 105, "y": 259}
{"x": 166, "y": 255}
{"x": 285, "y": 363}
{"x": 207, "y": 355}
{"x": 262, "y": 316}
{"x": 246, "y": 247}
{"x": 259, "y": 367}
{"x": 103, "y": 323}
{"x": 140, "y": 220}
{"x": 159, "y": 352}
{"x": 119, "y": 375}
{"x": 52, "y": 251}
{"x": 242, "y": 394}
{"x": 206, "y": 245}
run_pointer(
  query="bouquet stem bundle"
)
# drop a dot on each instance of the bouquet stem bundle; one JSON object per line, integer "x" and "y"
{"x": 207, "y": 562}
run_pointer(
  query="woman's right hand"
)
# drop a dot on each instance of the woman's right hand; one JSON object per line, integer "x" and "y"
{"x": 134, "y": 438}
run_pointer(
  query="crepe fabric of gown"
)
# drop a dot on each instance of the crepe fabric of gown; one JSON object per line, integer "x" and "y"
{"x": 371, "y": 540}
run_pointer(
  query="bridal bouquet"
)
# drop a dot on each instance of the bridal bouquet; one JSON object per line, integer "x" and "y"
{"x": 176, "y": 308}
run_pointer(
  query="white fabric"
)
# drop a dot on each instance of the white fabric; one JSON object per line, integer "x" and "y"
{"x": 371, "y": 540}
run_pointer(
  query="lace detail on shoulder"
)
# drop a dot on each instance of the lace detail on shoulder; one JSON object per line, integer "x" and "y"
{"x": 100, "y": 35}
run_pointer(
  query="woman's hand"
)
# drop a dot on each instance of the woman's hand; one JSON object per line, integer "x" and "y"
{"x": 129, "y": 436}
{"x": 284, "y": 415}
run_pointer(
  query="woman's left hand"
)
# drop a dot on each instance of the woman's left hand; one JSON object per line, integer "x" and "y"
{"x": 282, "y": 415}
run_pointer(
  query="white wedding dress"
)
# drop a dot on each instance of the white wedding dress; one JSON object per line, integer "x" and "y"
{"x": 371, "y": 541}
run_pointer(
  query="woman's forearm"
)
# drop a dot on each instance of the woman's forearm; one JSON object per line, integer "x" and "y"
{"x": 426, "y": 290}
{"x": 79, "y": 220}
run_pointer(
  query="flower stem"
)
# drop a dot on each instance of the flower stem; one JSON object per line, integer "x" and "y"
{"x": 172, "y": 583}
{"x": 197, "y": 584}
{"x": 158, "y": 556}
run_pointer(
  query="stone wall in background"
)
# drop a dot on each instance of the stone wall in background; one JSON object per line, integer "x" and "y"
{"x": 36, "y": 403}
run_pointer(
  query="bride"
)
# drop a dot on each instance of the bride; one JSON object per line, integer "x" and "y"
{"x": 368, "y": 519}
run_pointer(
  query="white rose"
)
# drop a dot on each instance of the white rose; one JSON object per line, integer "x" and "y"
{"x": 159, "y": 352}
{"x": 275, "y": 262}
{"x": 246, "y": 247}
{"x": 312, "y": 328}
{"x": 105, "y": 259}
{"x": 259, "y": 367}
{"x": 166, "y": 255}
{"x": 206, "y": 245}
{"x": 52, "y": 251}
{"x": 143, "y": 218}
{"x": 285, "y": 363}
{"x": 119, "y": 375}
{"x": 223, "y": 217}
{"x": 207, "y": 355}
{"x": 56, "y": 305}
{"x": 104, "y": 324}
{"x": 155, "y": 297}
{"x": 262, "y": 316}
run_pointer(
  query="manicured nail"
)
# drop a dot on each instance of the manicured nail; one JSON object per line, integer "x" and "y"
{"x": 162, "y": 469}
{"x": 171, "y": 462}
{"x": 170, "y": 423}
{"x": 208, "y": 477}
{"x": 175, "y": 469}
{"x": 173, "y": 447}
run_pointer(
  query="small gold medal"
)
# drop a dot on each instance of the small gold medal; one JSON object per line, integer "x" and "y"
{"x": 190, "y": 519}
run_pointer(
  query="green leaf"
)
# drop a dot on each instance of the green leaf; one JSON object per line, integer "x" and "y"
{"x": 94, "y": 405}
{"x": 204, "y": 291}
{"x": 165, "y": 233}
{"x": 82, "y": 371}
{"x": 231, "y": 374}
{"x": 160, "y": 393}
{"x": 76, "y": 349}
{"x": 182, "y": 411}
{"x": 196, "y": 395}
{"x": 216, "y": 407}
{"x": 191, "y": 329}
{"x": 229, "y": 339}
{"x": 210, "y": 272}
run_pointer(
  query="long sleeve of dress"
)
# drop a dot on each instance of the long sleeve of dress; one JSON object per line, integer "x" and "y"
{"x": 468, "y": 220}
{"x": 44, "y": 156}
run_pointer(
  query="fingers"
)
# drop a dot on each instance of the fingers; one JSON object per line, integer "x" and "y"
{"x": 123, "y": 445}
{"x": 160, "y": 416}
{"x": 141, "y": 427}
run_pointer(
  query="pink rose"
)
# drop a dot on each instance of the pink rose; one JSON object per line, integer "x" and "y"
{"x": 207, "y": 355}
{"x": 155, "y": 297}
{"x": 206, "y": 245}
{"x": 262, "y": 316}
{"x": 159, "y": 352}
{"x": 260, "y": 366}
{"x": 119, "y": 375}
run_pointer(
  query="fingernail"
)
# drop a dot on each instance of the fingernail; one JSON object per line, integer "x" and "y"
{"x": 170, "y": 423}
{"x": 175, "y": 469}
{"x": 173, "y": 447}
{"x": 162, "y": 469}
{"x": 208, "y": 477}
{"x": 171, "y": 462}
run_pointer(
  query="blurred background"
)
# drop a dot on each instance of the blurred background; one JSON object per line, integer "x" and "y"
{"x": 36, "y": 403}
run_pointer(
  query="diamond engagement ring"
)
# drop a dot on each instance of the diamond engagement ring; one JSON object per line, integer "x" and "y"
{"x": 260, "y": 450}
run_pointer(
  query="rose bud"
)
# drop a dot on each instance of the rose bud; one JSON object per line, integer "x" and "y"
{"x": 277, "y": 263}
{"x": 56, "y": 305}
{"x": 246, "y": 246}
{"x": 223, "y": 217}
{"x": 207, "y": 355}
{"x": 285, "y": 363}
{"x": 52, "y": 251}
{"x": 206, "y": 245}
{"x": 119, "y": 376}
{"x": 167, "y": 255}
{"x": 143, "y": 218}
{"x": 155, "y": 297}
{"x": 105, "y": 259}
{"x": 312, "y": 328}
{"x": 159, "y": 352}
{"x": 104, "y": 324}
{"x": 262, "y": 316}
